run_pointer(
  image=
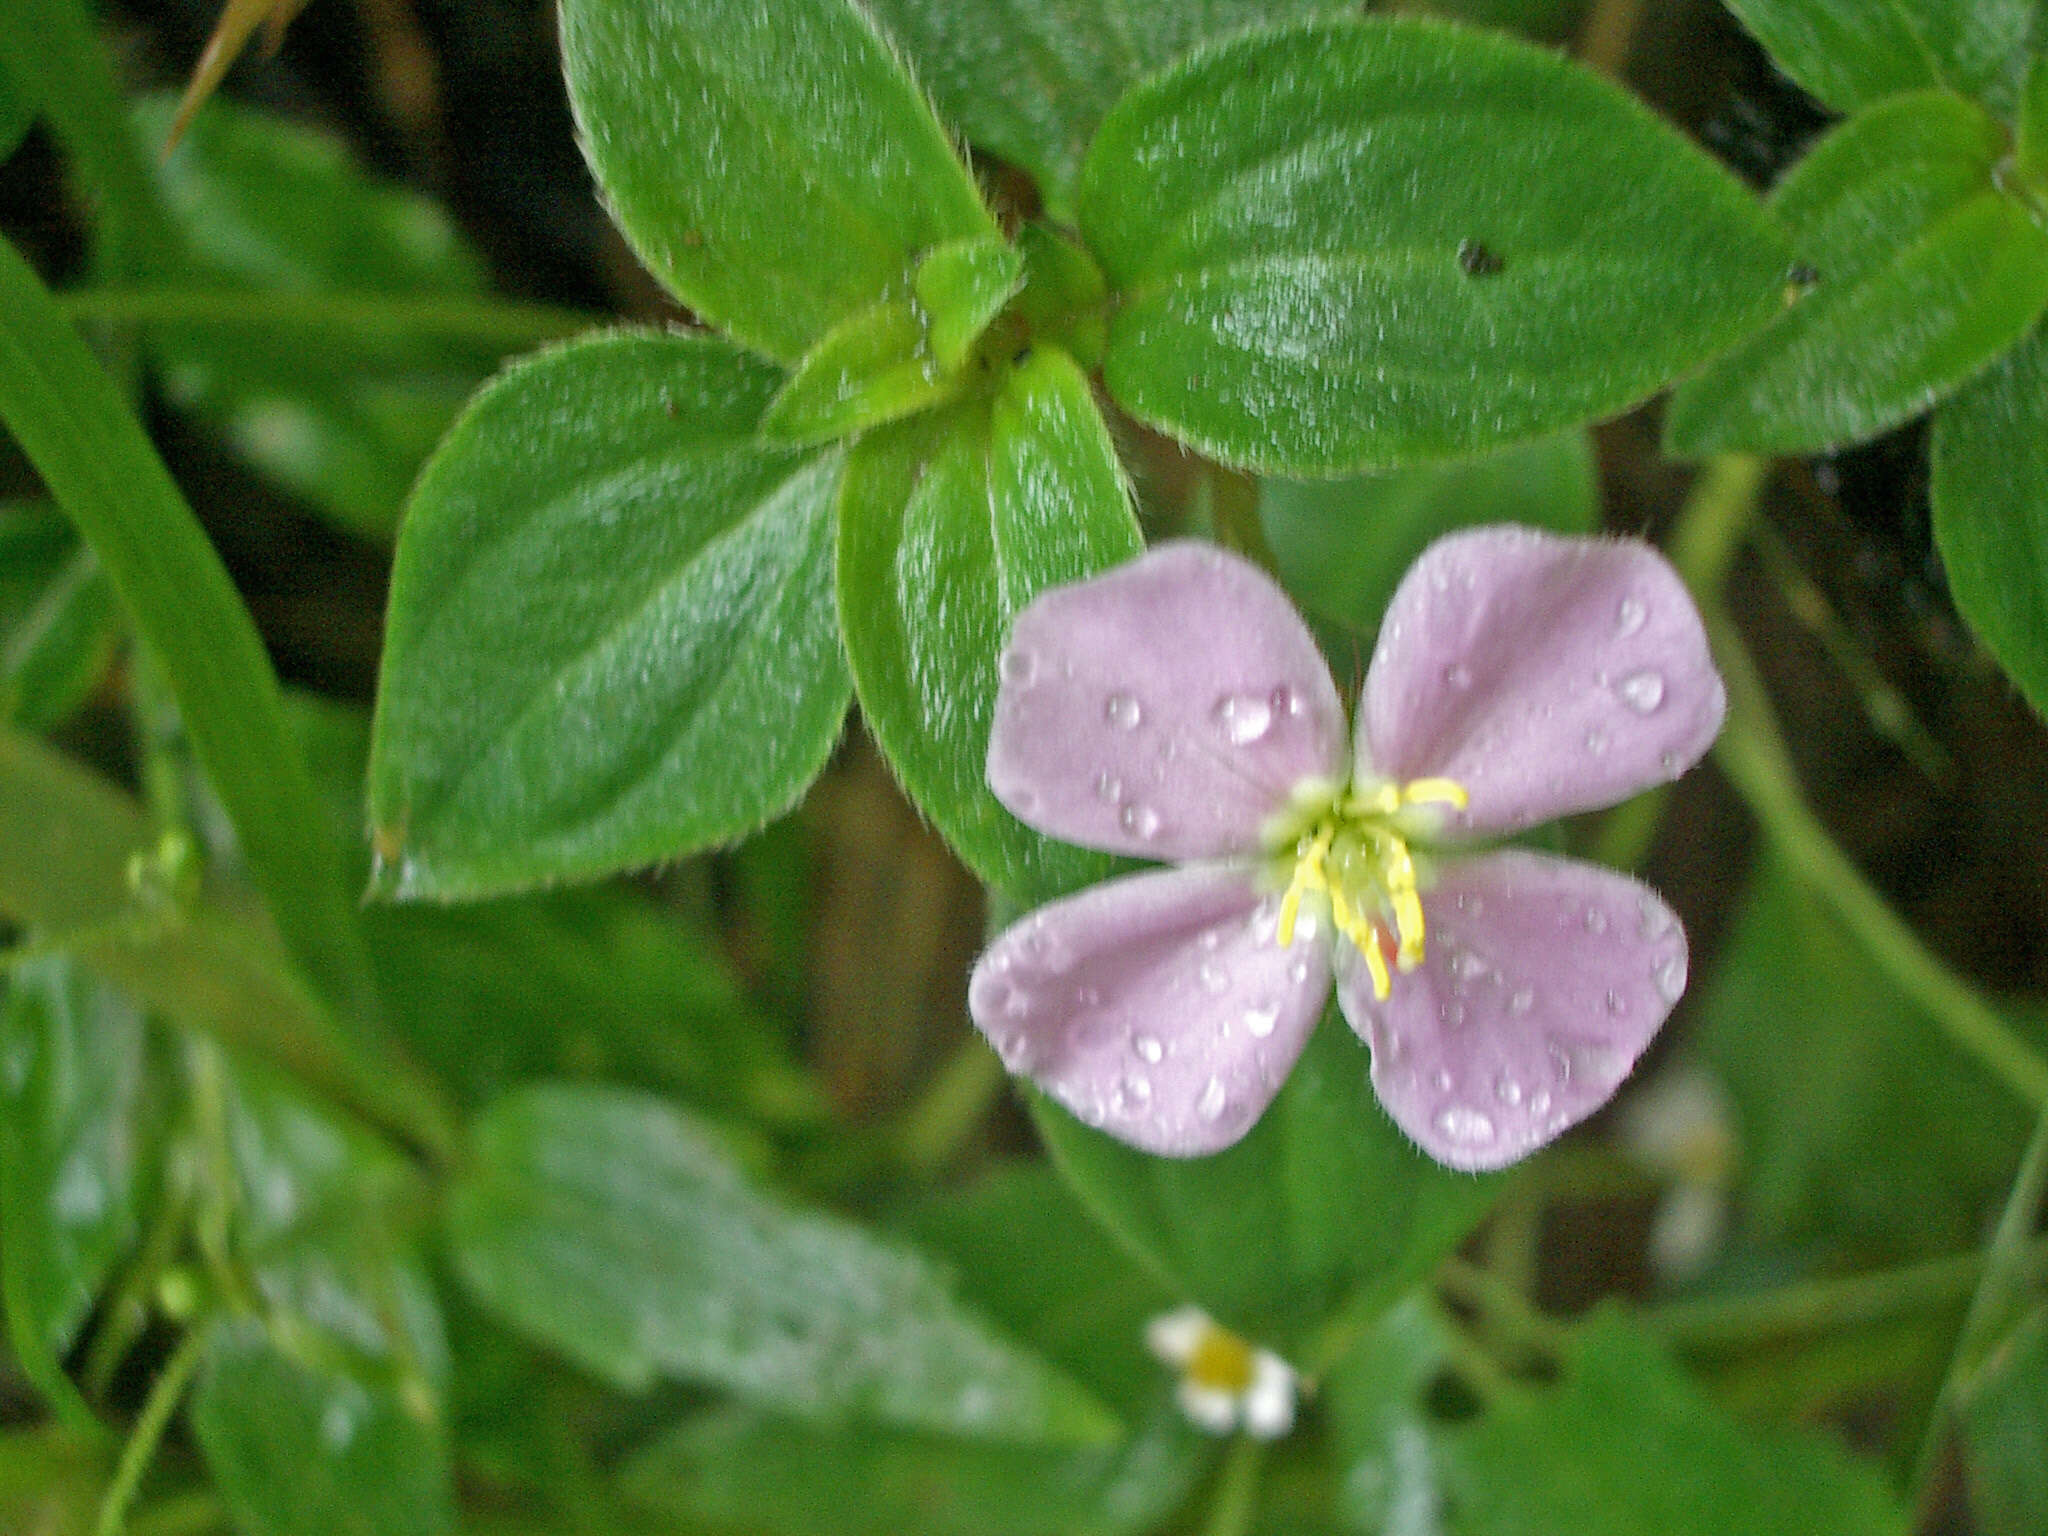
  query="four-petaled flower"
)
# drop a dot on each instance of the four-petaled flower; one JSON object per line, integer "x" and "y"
{"x": 1225, "y": 1383}
{"x": 1177, "y": 708}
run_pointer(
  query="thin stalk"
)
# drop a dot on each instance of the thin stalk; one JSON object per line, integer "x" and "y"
{"x": 1236, "y": 1503}
{"x": 1507, "y": 1313}
{"x": 1752, "y": 753}
{"x": 352, "y": 317}
{"x": 164, "y": 1397}
{"x": 2004, "y": 1281}
{"x": 956, "y": 1100}
{"x": 1824, "y": 1306}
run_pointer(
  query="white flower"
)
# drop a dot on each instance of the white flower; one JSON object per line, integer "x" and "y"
{"x": 1225, "y": 1383}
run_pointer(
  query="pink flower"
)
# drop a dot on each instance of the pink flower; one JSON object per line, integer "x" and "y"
{"x": 1177, "y": 708}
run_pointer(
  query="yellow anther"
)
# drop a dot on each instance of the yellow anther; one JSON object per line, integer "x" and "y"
{"x": 1408, "y": 924}
{"x": 1435, "y": 792}
{"x": 1309, "y": 875}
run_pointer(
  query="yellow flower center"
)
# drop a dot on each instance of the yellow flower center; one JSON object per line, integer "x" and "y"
{"x": 1353, "y": 851}
{"x": 1221, "y": 1361}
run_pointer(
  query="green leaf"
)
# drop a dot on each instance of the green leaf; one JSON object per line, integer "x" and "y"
{"x": 1851, "y": 53}
{"x": 17, "y": 114}
{"x": 962, "y": 286}
{"x": 1373, "y": 243}
{"x": 50, "y": 1482}
{"x": 1990, "y": 493}
{"x": 264, "y": 203}
{"x": 1926, "y": 271}
{"x": 2005, "y": 1424}
{"x": 1344, "y": 545}
{"x": 610, "y": 1226}
{"x": 58, "y": 621}
{"x": 1028, "y": 1253}
{"x": 775, "y": 167}
{"x": 1030, "y": 80}
{"x": 81, "y": 436}
{"x": 299, "y": 1446}
{"x": 1862, "y": 1130}
{"x": 1626, "y": 1445}
{"x": 1065, "y": 297}
{"x": 1381, "y": 1419}
{"x": 598, "y": 981}
{"x": 1324, "y": 1206}
{"x": 948, "y": 525}
{"x": 876, "y": 365}
{"x": 611, "y": 637}
{"x": 72, "y": 1083}
{"x": 742, "y": 1470}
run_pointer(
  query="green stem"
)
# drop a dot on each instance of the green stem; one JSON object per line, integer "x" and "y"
{"x": 1730, "y": 1323}
{"x": 956, "y": 1100}
{"x": 1508, "y": 1314}
{"x": 351, "y": 317}
{"x": 185, "y": 1514}
{"x": 1236, "y": 1502}
{"x": 1753, "y": 755}
{"x": 164, "y": 1396}
{"x": 2005, "y": 1279}
{"x": 1715, "y": 520}
{"x": 93, "y": 456}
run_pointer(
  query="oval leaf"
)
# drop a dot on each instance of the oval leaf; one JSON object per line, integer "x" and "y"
{"x": 1990, "y": 496}
{"x": 1360, "y": 245}
{"x": 303, "y": 1447}
{"x": 603, "y": 588}
{"x": 948, "y": 525}
{"x": 876, "y": 365}
{"x": 1323, "y": 1204}
{"x": 1029, "y": 80}
{"x": 1851, "y": 53}
{"x": 72, "y": 1074}
{"x": 1923, "y": 273}
{"x": 609, "y": 1225}
{"x": 773, "y": 165}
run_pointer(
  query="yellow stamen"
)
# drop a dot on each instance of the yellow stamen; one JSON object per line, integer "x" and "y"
{"x": 1435, "y": 792}
{"x": 1358, "y": 849}
{"x": 1309, "y": 875}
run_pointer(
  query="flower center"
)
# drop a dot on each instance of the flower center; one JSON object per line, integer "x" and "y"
{"x": 1354, "y": 852}
{"x": 1221, "y": 1361}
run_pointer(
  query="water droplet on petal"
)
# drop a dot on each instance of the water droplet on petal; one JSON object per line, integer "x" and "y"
{"x": 1596, "y": 741}
{"x": 1298, "y": 973}
{"x": 1108, "y": 788}
{"x": 1523, "y": 1000}
{"x": 1442, "y": 1079}
{"x": 1630, "y": 617}
{"x": 1286, "y": 701}
{"x": 1670, "y": 978}
{"x": 1139, "y": 820}
{"x": 1467, "y": 966}
{"x": 1507, "y": 1090}
{"x": 1458, "y": 675}
{"x": 1560, "y": 1062}
{"x": 1019, "y": 667}
{"x": 1214, "y": 1096}
{"x": 1656, "y": 918}
{"x": 1214, "y": 979}
{"x": 1259, "y": 1022}
{"x": 1087, "y": 997}
{"x": 1122, "y": 711}
{"x": 1596, "y": 920}
{"x": 1539, "y": 1103}
{"x": 1017, "y": 1004}
{"x": 1243, "y": 719}
{"x": 1209, "y": 940}
{"x": 1148, "y": 1048}
{"x": 1668, "y": 761}
{"x": 1642, "y": 692}
{"x": 1616, "y": 1003}
{"x": 1138, "y": 1089}
{"x": 1466, "y": 1125}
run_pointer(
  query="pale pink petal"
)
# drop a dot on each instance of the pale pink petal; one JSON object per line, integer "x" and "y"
{"x": 1164, "y": 709}
{"x": 1157, "y": 1007}
{"x": 1542, "y": 982}
{"x": 1546, "y": 675}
